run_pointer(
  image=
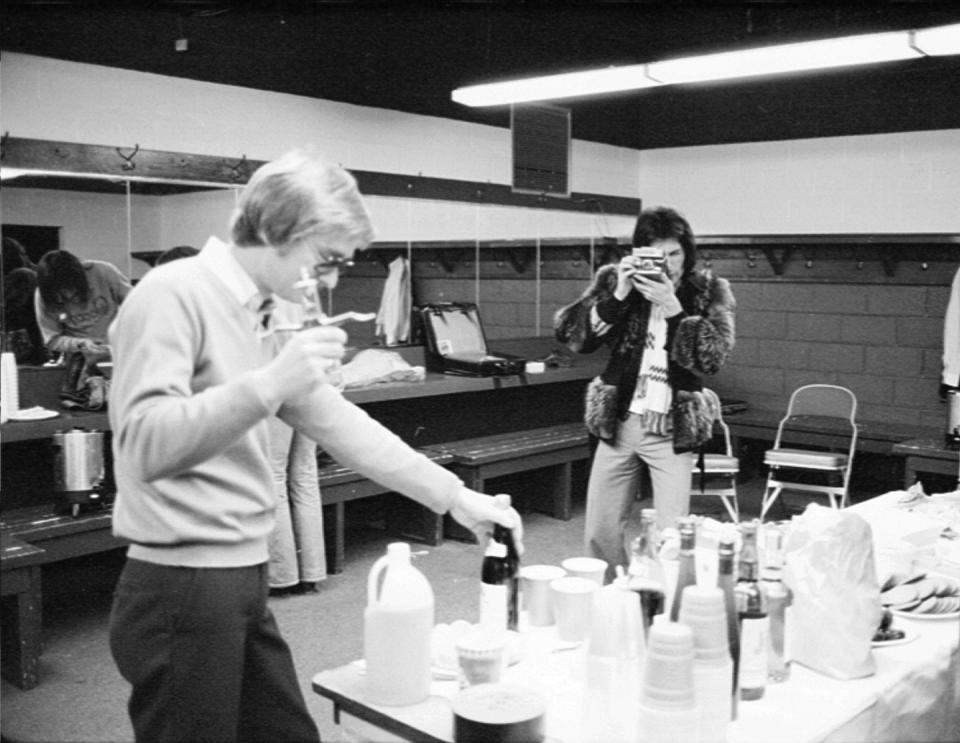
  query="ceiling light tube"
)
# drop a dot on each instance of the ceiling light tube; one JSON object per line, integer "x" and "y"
{"x": 553, "y": 87}
{"x": 938, "y": 41}
{"x": 782, "y": 58}
{"x": 771, "y": 60}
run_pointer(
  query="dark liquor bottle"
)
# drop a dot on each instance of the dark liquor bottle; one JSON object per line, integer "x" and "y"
{"x": 779, "y": 597}
{"x": 645, "y": 574}
{"x": 725, "y": 581}
{"x": 687, "y": 568}
{"x": 500, "y": 578}
{"x": 754, "y": 621}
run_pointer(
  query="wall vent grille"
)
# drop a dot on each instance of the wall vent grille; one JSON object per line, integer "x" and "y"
{"x": 541, "y": 149}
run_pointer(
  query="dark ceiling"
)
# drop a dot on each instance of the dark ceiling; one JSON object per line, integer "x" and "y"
{"x": 409, "y": 56}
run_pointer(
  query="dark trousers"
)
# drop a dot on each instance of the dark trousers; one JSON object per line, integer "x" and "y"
{"x": 205, "y": 657}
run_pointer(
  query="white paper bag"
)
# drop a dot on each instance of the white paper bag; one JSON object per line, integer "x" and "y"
{"x": 829, "y": 567}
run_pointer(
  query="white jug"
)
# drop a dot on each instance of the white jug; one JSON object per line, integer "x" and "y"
{"x": 397, "y": 625}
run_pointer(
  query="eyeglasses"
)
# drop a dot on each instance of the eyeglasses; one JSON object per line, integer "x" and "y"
{"x": 338, "y": 263}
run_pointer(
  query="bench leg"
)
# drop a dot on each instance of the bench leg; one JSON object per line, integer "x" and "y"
{"x": 21, "y": 647}
{"x": 334, "y": 540}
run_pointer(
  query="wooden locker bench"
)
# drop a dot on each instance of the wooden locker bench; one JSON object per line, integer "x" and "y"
{"x": 339, "y": 484}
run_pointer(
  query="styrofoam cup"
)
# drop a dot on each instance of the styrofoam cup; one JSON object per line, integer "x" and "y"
{"x": 591, "y": 568}
{"x": 572, "y": 604}
{"x": 535, "y": 591}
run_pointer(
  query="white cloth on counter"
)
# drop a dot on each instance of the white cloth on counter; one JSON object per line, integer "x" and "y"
{"x": 393, "y": 318}
{"x": 372, "y": 366}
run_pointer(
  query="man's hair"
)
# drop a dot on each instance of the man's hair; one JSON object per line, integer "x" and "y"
{"x": 59, "y": 271}
{"x": 299, "y": 197}
{"x": 15, "y": 256}
{"x": 664, "y": 223}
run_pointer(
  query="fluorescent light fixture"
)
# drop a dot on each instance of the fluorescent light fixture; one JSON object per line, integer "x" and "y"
{"x": 802, "y": 56}
{"x": 938, "y": 41}
{"x": 551, "y": 87}
{"x": 772, "y": 60}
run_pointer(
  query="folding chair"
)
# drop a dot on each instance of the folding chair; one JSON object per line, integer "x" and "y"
{"x": 718, "y": 477}
{"x": 825, "y": 401}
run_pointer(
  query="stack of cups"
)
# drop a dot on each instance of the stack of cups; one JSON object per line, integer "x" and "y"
{"x": 668, "y": 708}
{"x": 614, "y": 650}
{"x": 9, "y": 386}
{"x": 702, "y": 610}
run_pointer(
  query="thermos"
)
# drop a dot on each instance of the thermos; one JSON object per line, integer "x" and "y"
{"x": 397, "y": 626}
{"x": 953, "y": 419}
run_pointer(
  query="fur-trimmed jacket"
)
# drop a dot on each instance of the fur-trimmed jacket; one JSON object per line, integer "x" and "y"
{"x": 699, "y": 340}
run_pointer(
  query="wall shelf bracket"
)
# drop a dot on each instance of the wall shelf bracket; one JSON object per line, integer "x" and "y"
{"x": 778, "y": 258}
{"x": 888, "y": 257}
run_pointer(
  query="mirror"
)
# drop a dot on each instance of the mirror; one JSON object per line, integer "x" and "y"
{"x": 124, "y": 221}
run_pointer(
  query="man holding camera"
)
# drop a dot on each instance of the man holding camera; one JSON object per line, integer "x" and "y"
{"x": 667, "y": 324}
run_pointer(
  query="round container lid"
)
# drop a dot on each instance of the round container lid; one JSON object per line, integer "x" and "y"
{"x": 498, "y": 713}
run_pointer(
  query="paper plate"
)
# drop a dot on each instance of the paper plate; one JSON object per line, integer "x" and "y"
{"x": 926, "y": 617}
{"x": 33, "y": 414}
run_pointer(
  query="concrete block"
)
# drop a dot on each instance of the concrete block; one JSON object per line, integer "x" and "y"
{"x": 835, "y": 357}
{"x": 891, "y": 361}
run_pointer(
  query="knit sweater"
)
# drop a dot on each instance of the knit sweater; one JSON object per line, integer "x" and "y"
{"x": 194, "y": 484}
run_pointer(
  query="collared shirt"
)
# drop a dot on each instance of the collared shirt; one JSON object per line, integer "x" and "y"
{"x": 219, "y": 255}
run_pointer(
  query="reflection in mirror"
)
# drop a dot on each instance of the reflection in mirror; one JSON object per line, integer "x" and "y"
{"x": 126, "y": 222}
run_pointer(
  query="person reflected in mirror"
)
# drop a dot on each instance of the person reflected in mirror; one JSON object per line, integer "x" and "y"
{"x": 175, "y": 253}
{"x": 950, "y": 372}
{"x": 195, "y": 382}
{"x": 667, "y": 326}
{"x": 76, "y": 301}
{"x": 21, "y": 332}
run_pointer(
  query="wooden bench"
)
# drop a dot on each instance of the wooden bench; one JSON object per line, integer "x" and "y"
{"x": 553, "y": 449}
{"x": 339, "y": 485}
{"x": 876, "y": 437}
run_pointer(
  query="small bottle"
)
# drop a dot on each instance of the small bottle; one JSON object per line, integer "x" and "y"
{"x": 645, "y": 574}
{"x": 500, "y": 578}
{"x": 779, "y": 597}
{"x": 687, "y": 569}
{"x": 725, "y": 581}
{"x": 754, "y": 621}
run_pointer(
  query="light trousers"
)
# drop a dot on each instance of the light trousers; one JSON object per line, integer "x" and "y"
{"x": 296, "y": 543}
{"x": 614, "y": 483}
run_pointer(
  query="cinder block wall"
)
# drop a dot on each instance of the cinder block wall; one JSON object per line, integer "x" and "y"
{"x": 881, "y": 336}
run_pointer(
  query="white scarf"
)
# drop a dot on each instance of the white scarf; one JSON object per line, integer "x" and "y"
{"x": 652, "y": 397}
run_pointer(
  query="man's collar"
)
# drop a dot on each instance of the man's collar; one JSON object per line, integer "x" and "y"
{"x": 219, "y": 256}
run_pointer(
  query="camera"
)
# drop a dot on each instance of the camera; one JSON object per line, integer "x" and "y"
{"x": 649, "y": 261}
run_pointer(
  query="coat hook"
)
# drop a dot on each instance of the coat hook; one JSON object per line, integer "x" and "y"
{"x": 239, "y": 172}
{"x": 128, "y": 163}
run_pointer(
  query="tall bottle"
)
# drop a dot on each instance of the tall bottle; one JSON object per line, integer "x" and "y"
{"x": 779, "y": 597}
{"x": 687, "y": 569}
{"x": 397, "y": 626}
{"x": 754, "y": 621}
{"x": 499, "y": 586}
{"x": 725, "y": 580}
{"x": 645, "y": 573}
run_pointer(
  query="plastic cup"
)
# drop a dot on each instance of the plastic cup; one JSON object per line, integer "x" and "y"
{"x": 703, "y": 611}
{"x": 591, "y": 568}
{"x": 480, "y": 657}
{"x": 668, "y": 667}
{"x": 572, "y": 604}
{"x": 535, "y": 590}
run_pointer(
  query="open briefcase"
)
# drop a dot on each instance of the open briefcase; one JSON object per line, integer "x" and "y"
{"x": 456, "y": 344}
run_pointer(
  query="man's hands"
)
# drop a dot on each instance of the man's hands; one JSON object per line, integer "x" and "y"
{"x": 309, "y": 358}
{"x": 657, "y": 290}
{"x": 479, "y": 512}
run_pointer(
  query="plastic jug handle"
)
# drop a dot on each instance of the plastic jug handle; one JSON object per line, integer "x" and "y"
{"x": 375, "y": 571}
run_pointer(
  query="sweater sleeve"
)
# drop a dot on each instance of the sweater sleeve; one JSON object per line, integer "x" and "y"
{"x": 356, "y": 440}
{"x": 161, "y": 425}
{"x": 703, "y": 342}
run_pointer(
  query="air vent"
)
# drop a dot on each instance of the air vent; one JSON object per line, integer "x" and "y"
{"x": 541, "y": 149}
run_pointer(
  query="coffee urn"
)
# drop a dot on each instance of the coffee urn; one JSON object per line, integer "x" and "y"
{"x": 79, "y": 468}
{"x": 953, "y": 419}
